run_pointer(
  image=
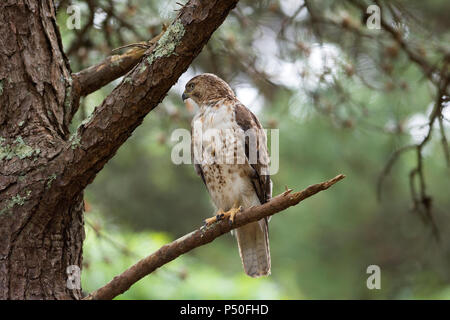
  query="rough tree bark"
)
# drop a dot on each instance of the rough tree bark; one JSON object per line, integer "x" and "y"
{"x": 43, "y": 168}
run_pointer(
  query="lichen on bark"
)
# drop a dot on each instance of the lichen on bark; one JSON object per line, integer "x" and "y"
{"x": 17, "y": 149}
{"x": 50, "y": 180}
{"x": 75, "y": 140}
{"x": 168, "y": 42}
{"x": 15, "y": 200}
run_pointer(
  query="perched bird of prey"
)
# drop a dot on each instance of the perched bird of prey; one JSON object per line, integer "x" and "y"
{"x": 229, "y": 150}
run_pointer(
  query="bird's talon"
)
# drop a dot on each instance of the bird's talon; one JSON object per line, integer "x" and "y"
{"x": 209, "y": 221}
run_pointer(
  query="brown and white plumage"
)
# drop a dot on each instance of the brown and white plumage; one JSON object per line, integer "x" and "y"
{"x": 233, "y": 168}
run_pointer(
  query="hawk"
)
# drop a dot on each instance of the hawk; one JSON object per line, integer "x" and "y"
{"x": 229, "y": 151}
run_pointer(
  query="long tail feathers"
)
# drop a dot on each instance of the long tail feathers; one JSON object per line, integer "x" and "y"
{"x": 253, "y": 242}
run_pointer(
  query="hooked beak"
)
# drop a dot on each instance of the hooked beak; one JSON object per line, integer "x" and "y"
{"x": 184, "y": 96}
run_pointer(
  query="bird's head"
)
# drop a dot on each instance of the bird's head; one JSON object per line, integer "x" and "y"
{"x": 207, "y": 88}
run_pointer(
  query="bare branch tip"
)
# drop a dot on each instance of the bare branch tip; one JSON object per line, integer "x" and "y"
{"x": 286, "y": 191}
{"x": 331, "y": 182}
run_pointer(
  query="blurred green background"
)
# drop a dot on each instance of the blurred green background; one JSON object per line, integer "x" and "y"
{"x": 343, "y": 96}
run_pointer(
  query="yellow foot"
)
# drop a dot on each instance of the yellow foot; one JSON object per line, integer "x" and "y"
{"x": 230, "y": 214}
{"x": 220, "y": 215}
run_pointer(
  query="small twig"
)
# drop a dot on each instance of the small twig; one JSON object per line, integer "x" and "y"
{"x": 141, "y": 45}
{"x": 286, "y": 190}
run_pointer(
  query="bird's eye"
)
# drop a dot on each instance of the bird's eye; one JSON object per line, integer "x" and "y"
{"x": 191, "y": 86}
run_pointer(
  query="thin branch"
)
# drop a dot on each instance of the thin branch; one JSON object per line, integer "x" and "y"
{"x": 422, "y": 200}
{"x": 425, "y": 200}
{"x": 444, "y": 141}
{"x": 288, "y": 19}
{"x": 389, "y": 164}
{"x": 171, "y": 251}
{"x": 314, "y": 19}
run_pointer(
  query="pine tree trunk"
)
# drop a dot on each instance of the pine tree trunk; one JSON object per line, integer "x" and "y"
{"x": 41, "y": 230}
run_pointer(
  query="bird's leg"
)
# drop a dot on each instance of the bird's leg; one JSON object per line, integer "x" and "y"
{"x": 220, "y": 215}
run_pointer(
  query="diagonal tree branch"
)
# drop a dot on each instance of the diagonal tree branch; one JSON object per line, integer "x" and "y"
{"x": 112, "y": 123}
{"x": 171, "y": 251}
